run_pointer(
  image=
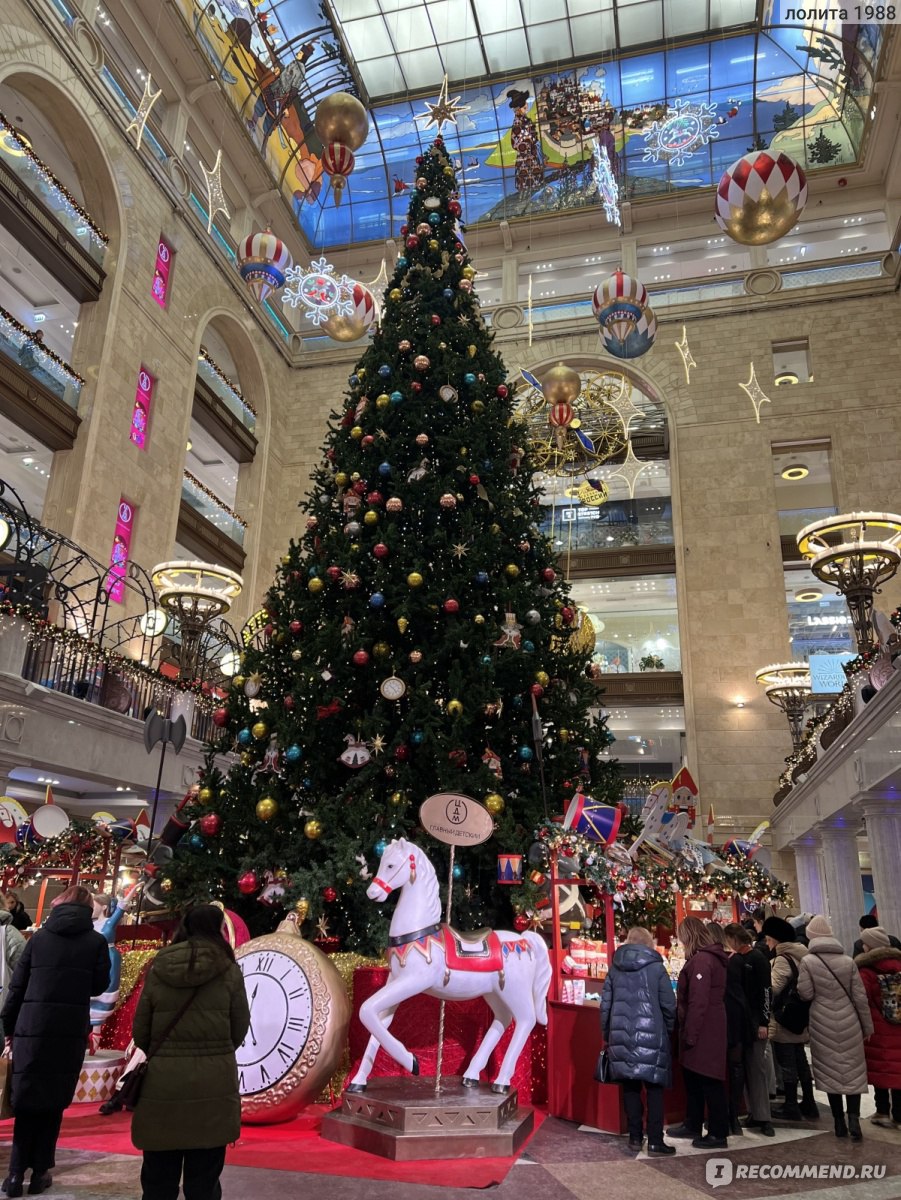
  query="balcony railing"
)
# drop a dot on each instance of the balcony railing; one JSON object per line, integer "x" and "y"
{"x": 21, "y": 161}
{"x": 28, "y": 351}
{"x": 618, "y": 523}
{"x": 227, "y": 391}
{"x": 212, "y": 509}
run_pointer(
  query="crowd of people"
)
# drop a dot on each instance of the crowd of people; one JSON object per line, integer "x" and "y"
{"x": 749, "y": 1002}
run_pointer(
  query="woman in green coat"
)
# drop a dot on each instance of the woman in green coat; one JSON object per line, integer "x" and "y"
{"x": 190, "y": 1109}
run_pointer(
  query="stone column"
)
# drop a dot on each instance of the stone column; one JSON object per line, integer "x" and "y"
{"x": 809, "y": 866}
{"x": 883, "y": 817}
{"x": 841, "y": 870}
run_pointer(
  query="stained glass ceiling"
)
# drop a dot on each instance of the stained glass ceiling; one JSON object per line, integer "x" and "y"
{"x": 671, "y": 119}
{"x": 406, "y": 45}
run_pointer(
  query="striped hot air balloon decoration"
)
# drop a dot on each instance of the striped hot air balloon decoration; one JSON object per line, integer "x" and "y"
{"x": 263, "y": 262}
{"x": 337, "y": 162}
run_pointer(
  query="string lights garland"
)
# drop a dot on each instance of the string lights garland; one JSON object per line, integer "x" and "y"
{"x": 42, "y": 631}
{"x": 195, "y": 483}
{"x": 14, "y": 331}
{"x": 204, "y": 358}
{"x": 82, "y": 843}
{"x": 60, "y": 192}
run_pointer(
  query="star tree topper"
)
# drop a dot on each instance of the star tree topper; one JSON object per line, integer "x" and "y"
{"x": 444, "y": 112}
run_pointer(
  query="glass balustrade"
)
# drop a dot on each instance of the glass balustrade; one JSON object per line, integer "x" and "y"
{"x": 212, "y": 509}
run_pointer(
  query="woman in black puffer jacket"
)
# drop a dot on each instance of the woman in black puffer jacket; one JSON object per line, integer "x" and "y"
{"x": 638, "y": 1013}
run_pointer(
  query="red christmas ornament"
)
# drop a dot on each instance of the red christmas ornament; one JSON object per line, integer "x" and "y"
{"x": 454, "y": 208}
{"x": 368, "y": 440}
{"x": 375, "y": 498}
{"x": 312, "y": 522}
{"x": 404, "y": 229}
{"x": 474, "y": 480}
{"x": 220, "y": 718}
{"x": 361, "y": 657}
{"x": 210, "y": 824}
{"x": 520, "y": 923}
{"x": 248, "y": 883}
{"x": 334, "y": 574}
{"x": 501, "y": 390}
{"x": 288, "y": 701}
{"x": 548, "y": 574}
{"x": 567, "y": 615}
{"x": 296, "y": 627}
{"x": 402, "y": 752}
{"x": 458, "y": 758}
{"x": 435, "y": 319}
{"x": 537, "y": 690}
{"x": 412, "y": 242}
{"x": 451, "y": 606}
{"x": 268, "y": 631}
{"x": 329, "y": 895}
{"x": 416, "y": 386}
{"x": 380, "y": 550}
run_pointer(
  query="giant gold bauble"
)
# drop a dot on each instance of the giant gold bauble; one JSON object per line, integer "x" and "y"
{"x": 342, "y": 118}
{"x": 560, "y": 384}
{"x": 760, "y": 198}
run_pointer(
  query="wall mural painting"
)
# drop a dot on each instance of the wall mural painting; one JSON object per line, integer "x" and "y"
{"x": 660, "y": 122}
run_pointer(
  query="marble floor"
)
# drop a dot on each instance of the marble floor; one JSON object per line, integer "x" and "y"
{"x": 564, "y": 1162}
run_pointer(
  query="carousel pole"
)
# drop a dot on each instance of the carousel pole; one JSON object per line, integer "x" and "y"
{"x": 447, "y": 917}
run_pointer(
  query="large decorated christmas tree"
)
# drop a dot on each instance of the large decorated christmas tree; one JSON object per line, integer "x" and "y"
{"x": 413, "y": 630}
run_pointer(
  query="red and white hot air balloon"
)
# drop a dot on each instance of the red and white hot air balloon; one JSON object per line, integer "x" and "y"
{"x": 263, "y": 261}
{"x": 560, "y": 414}
{"x": 337, "y": 162}
{"x": 616, "y": 287}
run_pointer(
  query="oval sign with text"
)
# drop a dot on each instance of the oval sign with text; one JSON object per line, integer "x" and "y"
{"x": 455, "y": 819}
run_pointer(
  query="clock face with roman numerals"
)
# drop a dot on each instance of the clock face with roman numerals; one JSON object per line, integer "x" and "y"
{"x": 281, "y": 1017}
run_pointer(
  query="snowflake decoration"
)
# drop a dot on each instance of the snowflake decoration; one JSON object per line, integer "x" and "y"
{"x": 688, "y": 127}
{"x": 605, "y": 182}
{"x": 323, "y": 293}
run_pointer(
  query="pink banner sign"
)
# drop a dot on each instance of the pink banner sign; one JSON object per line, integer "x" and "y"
{"x": 140, "y": 416}
{"x": 121, "y": 545}
{"x": 165, "y": 256}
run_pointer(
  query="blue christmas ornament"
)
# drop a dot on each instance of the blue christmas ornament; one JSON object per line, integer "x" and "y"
{"x": 384, "y": 469}
{"x": 294, "y": 754}
{"x": 416, "y": 737}
{"x": 401, "y": 261}
{"x": 245, "y": 737}
{"x": 469, "y": 379}
{"x": 434, "y": 218}
{"x": 313, "y": 572}
{"x": 376, "y": 600}
{"x": 482, "y": 578}
{"x": 448, "y": 294}
{"x": 517, "y": 701}
{"x": 196, "y": 843}
{"x": 525, "y": 753}
{"x": 354, "y": 380}
{"x": 458, "y": 871}
{"x": 529, "y": 647}
{"x": 385, "y": 371}
{"x": 486, "y": 660}
{"x": 307, "y": 783}
{"x": 380, "y": 848}
{"x": 397, "y": 398}
{"x": 487, "y": 465}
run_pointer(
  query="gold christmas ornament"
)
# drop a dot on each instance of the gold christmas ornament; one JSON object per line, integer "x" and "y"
{"x": 238, "y": 682}
{"x": 302, "y": 908}
{"x": 165, "y": 886}
{"x": 312, "y": 829}
{"x": 382, "y": 401}
{"x": 246, "y": 758}
{"x": 341, "y": 118}
{"x": 471, "y": 351}
{"x": 512, "y": 570}
{"x": 478, "y": 619}
{"x": 356, "y": 433}
{"x": 266, "y": 808}
{"x": 542, "y": 678}
{"x": 402, "y": 623}
{"x": 414, "y": 579}
{"x": 371, "y": 517}
{"x": 469, "y": 272}
{"x": 260, "y": 730}
{"x": 315, "y": 586}
{"x": 494, "y": 802}
{"x": 381, "y": 650}
{"x": 433, "y": 243}
{"x": 561, "y": 384}
{"x": 397, "y": 799}
{"x": 395, "y": 294}
{"x": 341, "y": 478}
{"x": 205, "y": 795}
{"x": 477, "y": 406}
{"x": 454, "y": 708}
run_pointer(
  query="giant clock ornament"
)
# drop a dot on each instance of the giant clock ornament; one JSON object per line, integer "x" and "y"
{"x": 299, "y": 1014}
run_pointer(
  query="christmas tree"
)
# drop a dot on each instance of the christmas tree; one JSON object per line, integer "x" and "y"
{"x": 412, "y": 631}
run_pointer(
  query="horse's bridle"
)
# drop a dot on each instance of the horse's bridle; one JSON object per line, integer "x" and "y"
{"x": 388, "y": 888}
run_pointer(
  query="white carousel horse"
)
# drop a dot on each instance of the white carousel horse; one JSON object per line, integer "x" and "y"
{"x": 512, "y": 971}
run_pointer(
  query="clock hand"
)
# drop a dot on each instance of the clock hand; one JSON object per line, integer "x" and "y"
{"x": 250, "y": 1006}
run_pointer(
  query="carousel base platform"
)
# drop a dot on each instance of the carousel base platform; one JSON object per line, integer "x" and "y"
{"x": 403, "y": 1119}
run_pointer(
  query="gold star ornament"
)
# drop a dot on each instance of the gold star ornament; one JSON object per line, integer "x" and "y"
{"x": 377, "y": 745}
{"x": 461, "y": 549}
{"x": 755, "y": 394}
{"x": 444, "y": 112}
{"x": 139, "y": 120}
{"x": 215, "y": 195}
{"x": 687, "y": 360}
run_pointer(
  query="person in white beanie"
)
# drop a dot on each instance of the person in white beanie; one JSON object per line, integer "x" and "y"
{"x": 840, "y": 1022}
{"x": 880, "y": 970}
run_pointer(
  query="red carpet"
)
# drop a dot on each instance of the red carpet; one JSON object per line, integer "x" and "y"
{"x": 295, "y": 1146}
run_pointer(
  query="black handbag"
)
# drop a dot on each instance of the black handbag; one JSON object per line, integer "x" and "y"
{"x": 129, "y": 1090}
{"x": 789, "y": 1010}
{"x": 602, "y": 1072}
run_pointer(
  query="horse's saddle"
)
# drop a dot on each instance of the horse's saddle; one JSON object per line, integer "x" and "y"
{"x": 475, "y": 950}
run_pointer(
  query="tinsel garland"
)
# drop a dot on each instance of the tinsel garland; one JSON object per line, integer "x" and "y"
{"x": 45, "y": 357}
{"x": 134, "y": 963}
{"x": 195, "y": 483}
{"x": 65, "y": 196}
{"x": 230, "y": 384}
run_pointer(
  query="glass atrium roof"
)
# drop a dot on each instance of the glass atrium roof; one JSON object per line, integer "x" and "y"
{"x": 405, "y": 45}
{"x": 671, "y": 119}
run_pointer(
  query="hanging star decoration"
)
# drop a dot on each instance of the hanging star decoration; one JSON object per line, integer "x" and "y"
{"x": 350, "y": 579}
{"x": 531, "y": 323}
{"x": 461, "y": 549}
{"x": 755, "y": 393}
{"x": 623, "y": 406}
{"x": 630, "y": 470}
{"x": 377, "y": 745}
{"x": 381, "y": 434}
{"x": 139, "y": 120}
{"x": 687, "y": 359}
{"x": 215, "y": 196}
{"x": 445, "y": 112}
{"x": 322, "y": 927}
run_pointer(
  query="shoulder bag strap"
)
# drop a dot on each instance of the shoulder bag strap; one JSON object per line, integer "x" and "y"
{"x": 155, "y": 1046}
{"x": 844, "y": 989}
